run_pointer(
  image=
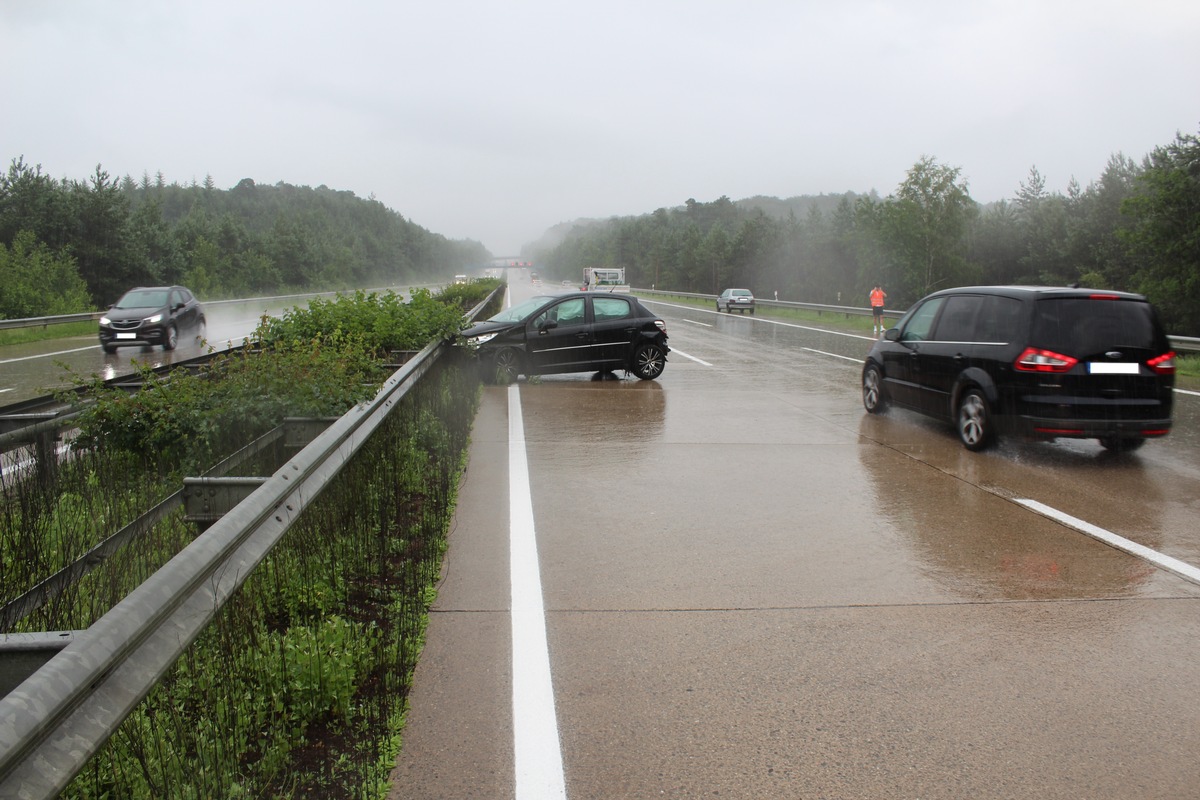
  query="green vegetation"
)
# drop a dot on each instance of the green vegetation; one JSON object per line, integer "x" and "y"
{"x": 73, "y": 246}
{"x": 1136, "y": 228}
{"x": 298, "y": 688}
{"x": 65, "y": 331}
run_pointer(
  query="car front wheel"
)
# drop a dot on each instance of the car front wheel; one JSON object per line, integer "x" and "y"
{"x": 975, "y": 420}
{"x": 172, "y": 338}
{"x": 874, "y": 399}
{"x": 649, "y": 361}
{"x": 506, "y": 366}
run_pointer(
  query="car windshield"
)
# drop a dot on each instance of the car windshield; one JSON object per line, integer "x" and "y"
{"x": 521, "y": 310}
{"x": 143, "y": 298}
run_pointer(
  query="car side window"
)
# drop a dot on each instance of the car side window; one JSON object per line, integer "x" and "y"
{"x": 568, "y": 312}
{"x": 920, "y": 324}
{"x": 957, "y": 323}
{"x": 998, "y": 320}
{"x": 609, "y": 308}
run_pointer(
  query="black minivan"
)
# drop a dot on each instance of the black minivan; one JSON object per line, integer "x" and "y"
{"x": 1038, "y": 362}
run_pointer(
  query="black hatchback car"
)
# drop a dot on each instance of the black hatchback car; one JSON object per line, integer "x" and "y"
{"x": 150, "y": 315}
{"x": 575, "y": 332}
{"x": 1043, "y": 363}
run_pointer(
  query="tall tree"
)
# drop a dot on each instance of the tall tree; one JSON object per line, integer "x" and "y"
{"x": 1165, "y": 232}
{"x": 927, "y": 224}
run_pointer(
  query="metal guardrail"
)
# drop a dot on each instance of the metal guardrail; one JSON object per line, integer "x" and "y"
{"x": 57, "y": 719}
{"x": 44, "y": 322}
{"x": 1184, "y": 344}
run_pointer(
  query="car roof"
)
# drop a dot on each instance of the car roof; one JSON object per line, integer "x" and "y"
{"x": 1038, "y": 292}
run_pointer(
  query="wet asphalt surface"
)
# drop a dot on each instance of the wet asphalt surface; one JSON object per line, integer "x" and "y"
{"x": 753, "y": 589}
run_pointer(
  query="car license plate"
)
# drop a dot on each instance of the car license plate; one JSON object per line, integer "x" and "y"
{"x": 1100, "y": 368}
{"x": 126, "y": 335}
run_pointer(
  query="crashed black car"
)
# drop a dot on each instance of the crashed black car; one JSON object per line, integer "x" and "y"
{"x": 152, "y": 315}
{"x": 574, "y": 332}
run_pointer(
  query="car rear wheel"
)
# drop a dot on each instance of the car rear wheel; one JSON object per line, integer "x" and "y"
{"x": 649, "y": 361}
{"x": 172, "y": 339}
{"x": 975, "y": 428}
{"x": 201, "y": 332}
{"x": 506, "y": 365}
{"x": 874, "y": 399}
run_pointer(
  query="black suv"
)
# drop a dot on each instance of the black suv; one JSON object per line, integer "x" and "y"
{"x": 575, "y": 332}
{"x": 150, "y": 315}
{"x": 1038, "y": 362}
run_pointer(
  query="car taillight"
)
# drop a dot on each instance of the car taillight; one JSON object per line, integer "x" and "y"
{"x": 1163, "y": 365}
{"x": 1035, "y": 360}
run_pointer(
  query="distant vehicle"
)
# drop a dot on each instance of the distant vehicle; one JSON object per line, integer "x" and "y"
{"x": 573, "y": 332}
{"x": 458, "y": 279}
{"x": 605, "y": 279}
{"x": 741, "y": 300}
{"x": 152, "y": 315}
{"x": 1040, "y": 362}
{"x": 535, "y": 279}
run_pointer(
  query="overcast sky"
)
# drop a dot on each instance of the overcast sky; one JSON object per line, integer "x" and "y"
{"x": 497, "y": 120}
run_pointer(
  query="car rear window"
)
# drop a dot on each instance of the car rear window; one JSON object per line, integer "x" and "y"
{"x": 1080, "y": 325}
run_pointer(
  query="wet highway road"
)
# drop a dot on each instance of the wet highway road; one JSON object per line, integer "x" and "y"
{"x": 39, "y": 368}
{"x": 752, "y": 589}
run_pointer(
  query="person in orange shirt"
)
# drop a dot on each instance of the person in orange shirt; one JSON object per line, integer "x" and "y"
{"x": 878, "y": 296}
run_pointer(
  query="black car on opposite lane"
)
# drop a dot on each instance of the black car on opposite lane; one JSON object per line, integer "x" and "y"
{"x": 573, "y": 332}
{"x": 151, "y": 315}
{"x": 1040, "y": 362}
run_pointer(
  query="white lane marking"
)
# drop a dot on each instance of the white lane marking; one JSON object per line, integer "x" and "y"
{"x": 693, "y": 358}
{"x": 10, "y": 389}
{"x": 49, "y": 355}
{"x": 1180, "y": 568}
{"x": 694, "y": 322}
{"x": 1188, "y": 391}
{"x": 832, "y": 355}
{"x": 537, "y": 753}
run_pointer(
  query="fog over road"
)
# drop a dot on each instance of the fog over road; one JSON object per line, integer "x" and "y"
{"x": 754, "y": 589}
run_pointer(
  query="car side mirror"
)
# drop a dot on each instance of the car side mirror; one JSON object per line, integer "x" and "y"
{"x": 548, "y": 325}
{"x": 892, "y": 334}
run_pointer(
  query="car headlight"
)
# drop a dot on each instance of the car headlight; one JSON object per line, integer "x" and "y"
{"x": 486, "y": 337}
{"x": 105, "y": 321}
{"x": 155, "y": 319}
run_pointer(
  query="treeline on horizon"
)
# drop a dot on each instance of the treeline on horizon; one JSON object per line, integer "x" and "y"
{"x": 1135, "y": 228}
{"x": 68, "y": 246}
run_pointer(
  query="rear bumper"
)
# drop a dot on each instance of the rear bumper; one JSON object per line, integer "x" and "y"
{"x": 1043, "y": 428}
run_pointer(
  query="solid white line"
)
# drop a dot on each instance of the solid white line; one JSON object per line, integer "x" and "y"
{"x": 694, "y": 322}
{"x": 49, "y": 355}
{"x": 1188, "y": 391}
{"x": 1180, "y": 568}
{"x": 832, "y": 355}
{"x": 693, "y": 358}
{"x": 537, "y": 753}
